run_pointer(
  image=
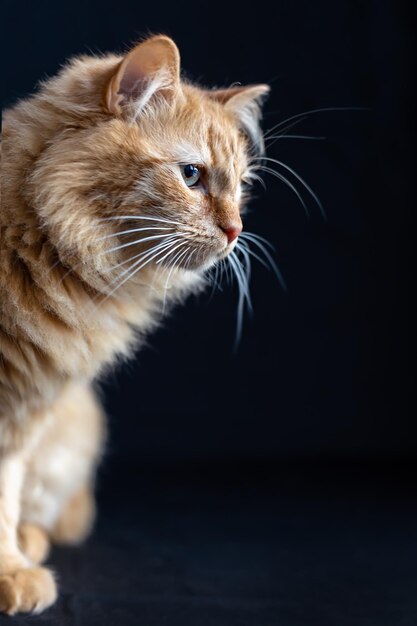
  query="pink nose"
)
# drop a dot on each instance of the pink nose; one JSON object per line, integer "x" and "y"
{"x": 232, "y": 231}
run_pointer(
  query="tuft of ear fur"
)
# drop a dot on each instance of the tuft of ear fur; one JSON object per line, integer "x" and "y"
{"x": 244, "y": 102}
{"x": 153, "y": 66}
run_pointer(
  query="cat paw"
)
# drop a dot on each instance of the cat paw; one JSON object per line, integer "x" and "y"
{"x": 28, "y": 590}
{"x": 33, "y": 542}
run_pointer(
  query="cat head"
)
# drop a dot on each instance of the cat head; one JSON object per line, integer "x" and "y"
{"x": 152, "y": 166}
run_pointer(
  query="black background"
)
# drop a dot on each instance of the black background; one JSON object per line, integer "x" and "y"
{"x": 322, "y": 373}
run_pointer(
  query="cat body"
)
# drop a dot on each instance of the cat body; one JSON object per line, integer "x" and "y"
{"x": 121, "y": 186}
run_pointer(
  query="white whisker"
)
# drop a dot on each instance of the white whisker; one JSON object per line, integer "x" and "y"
{"x": 227, "y": 271}
{"x": 177, "y": 257}
{"x": 240, "y": 274}
{"x": 131, "y": 272}
{"x": 240, "y": 303}
{"x": 274, "y": 138}
{"x": 283, "y": 136}
{"x": 173, "y": 238}
{"x": 161, "y": 247}
{"x": 247, "y": 262}
{"x": 311, "y": 112}
{"x": 133, "y": 230}
{"x": 173, "y": 263}
{"x": 170, "y": 252}
{"x": 253, "y": 254}
{"x": 284, "y": 128}
{"x": 289, "y": 184}
{"x": 212, "y": 276}
{"x": 162, "y": 220}
{"x": 188, "y": 260}
{"x": 265, "y": 251}
{"x": 136, "y": 242}
{"x": 254, "y": 176}
{"x": 247, "y": 234}
{"x": 300, "y": 179}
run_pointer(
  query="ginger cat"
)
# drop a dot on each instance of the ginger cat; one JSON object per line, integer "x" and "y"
{"x": 122, "y": 185}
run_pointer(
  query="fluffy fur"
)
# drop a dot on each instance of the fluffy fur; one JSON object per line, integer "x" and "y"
{"x": 99, "y": 231}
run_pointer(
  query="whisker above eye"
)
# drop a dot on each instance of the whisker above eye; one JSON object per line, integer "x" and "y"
{"x": 311, "y": 112}
{"x": 254, "y": 176}
{"x": 300, "y": 179}
{"x": 283, "y": 130}
{"x": 289, "y": 184}
{"x": 273, "y": 138}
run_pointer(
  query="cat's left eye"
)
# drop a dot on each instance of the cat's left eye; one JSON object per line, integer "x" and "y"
{"x": 191, "y": 174}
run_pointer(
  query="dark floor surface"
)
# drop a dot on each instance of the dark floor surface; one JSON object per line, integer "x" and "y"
{"x": 249, "y": 545}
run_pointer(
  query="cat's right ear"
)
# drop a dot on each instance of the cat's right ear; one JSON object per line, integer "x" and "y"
{"x": 152, "y": 67}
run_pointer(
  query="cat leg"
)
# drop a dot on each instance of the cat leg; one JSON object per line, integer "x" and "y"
{"x": 76, "y": 518}
{"x": 22, "y": 587}
{"x": 11, "y": 480}
{"x": 57, "y": 493}
{"x": 33, "y": 542}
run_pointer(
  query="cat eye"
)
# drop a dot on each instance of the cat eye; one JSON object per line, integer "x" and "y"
{"x": 191, "y": 174}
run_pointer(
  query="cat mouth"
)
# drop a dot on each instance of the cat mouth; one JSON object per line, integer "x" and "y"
{"x": 228, "y": 249}
{"x": 203, "y": 261}
{"x": 200, "y": 257}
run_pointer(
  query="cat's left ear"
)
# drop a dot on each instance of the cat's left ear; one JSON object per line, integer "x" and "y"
{"x": 244, "y": 102}
{"x": 152, "y": 67}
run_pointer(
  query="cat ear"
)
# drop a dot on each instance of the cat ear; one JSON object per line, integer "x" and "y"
{"x": 245, "y": 104}
{"x": 245, "y": 92}
{"x": 152, "y": 66}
